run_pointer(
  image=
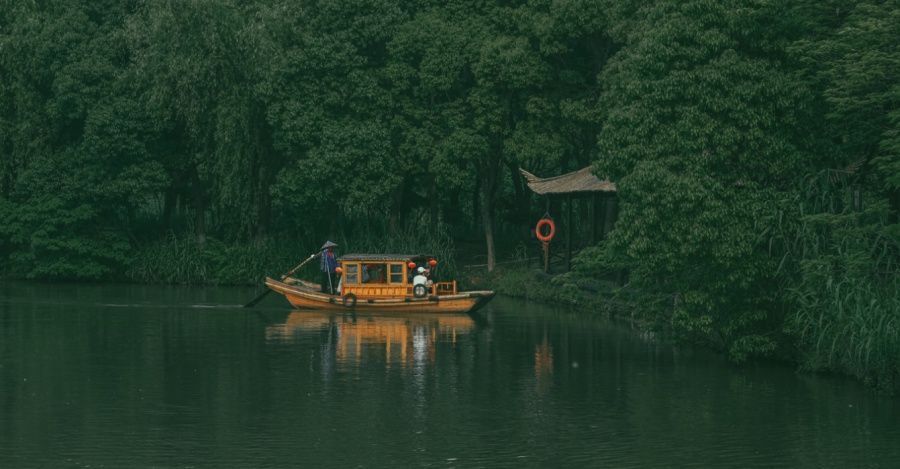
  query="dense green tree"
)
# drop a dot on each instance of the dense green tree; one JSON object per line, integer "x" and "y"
{"x": 63, "y": 216}
{"x": 859, "y": 67}
{"x": 700, "y": 125}
{"x": 331, "y": 114}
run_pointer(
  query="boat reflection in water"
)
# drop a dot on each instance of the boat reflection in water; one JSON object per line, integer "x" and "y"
{"x": 352, "y": 338}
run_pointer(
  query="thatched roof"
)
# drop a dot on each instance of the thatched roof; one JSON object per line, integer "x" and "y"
{"x": 582, "y": 180}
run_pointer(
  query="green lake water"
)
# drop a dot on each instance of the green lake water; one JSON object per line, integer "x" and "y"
{"x": 130, "y": 376}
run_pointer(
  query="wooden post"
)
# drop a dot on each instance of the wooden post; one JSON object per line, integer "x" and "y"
{"x": 568, "y": 228}
{"x": 546, "y": 248}
{"x": 601, "y": 214}
{"x": 857, "y": 199}
{"x": 609, "y": 218}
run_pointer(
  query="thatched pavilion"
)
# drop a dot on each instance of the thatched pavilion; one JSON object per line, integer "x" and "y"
{"x": 581, "y": 184}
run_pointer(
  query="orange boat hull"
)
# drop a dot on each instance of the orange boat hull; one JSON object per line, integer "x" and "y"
{"x": 304, "y": 297}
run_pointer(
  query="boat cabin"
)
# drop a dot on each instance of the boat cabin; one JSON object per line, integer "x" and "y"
{"x": 387, "y": 275}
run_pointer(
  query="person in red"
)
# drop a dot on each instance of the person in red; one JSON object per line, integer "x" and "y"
{"x": 327, "y": 265}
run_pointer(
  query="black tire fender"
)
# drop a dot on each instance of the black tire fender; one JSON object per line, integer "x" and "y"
{"x": 420, "y": 291}
{"x": 349, "y": 300}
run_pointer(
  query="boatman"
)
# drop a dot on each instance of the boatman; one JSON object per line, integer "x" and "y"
{"x": 327, "y": 265}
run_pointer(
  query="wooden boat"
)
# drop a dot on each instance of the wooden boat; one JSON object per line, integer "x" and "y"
{"x": 381, "y": 282}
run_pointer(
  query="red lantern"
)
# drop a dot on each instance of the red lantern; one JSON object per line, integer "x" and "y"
{"x": 338, "y": 270}
{"x": 411, "y": 265}
{"x": 432, "y": 262}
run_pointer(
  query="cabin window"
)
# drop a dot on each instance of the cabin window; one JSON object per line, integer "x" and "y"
{"x": 351, "y": 274}
{"x": 374, "y": 273}
{"x": 396, "y": 273}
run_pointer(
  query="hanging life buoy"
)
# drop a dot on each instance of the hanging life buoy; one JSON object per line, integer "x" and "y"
{"x": 538, "y": 230}
{"x": 349, "y": 300}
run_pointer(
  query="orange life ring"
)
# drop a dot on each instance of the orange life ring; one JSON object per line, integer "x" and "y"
{"x": 546, "y": 238}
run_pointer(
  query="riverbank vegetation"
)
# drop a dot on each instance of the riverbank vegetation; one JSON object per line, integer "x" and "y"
{"x": 755, "y": 146}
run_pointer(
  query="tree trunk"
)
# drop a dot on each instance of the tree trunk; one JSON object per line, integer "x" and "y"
{"x": 9, "y": 175}
{"x": 265, "y": 171}
{"x": 894, "y": 213}
{"x": 199, "y": 199}
{"x": 200, "y": 221}
{"x": 487, "y": 220}
{"x": 433, "y": 201}
{"x": 263, "y": 207}
{"x": 476, "y": 203}
{"x": 169, "y": 202}
{"x": 522, "y": 200}
{"x": 569, "y": 229}
{"x": 487, "y": 214}
{"x": 612, "y": 209}
{"x": 396, "y": 208}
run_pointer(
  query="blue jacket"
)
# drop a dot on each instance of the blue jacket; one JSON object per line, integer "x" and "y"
{"x": 328, "y": 262}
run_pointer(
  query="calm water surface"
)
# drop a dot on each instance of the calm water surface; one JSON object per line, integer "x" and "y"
{"x": 125, "y": 376}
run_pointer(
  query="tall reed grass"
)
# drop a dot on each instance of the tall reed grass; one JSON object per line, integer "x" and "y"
{"x": 844, "y": 288}
{"x": 851, "y": 326}
{"x": 183, "y": 260}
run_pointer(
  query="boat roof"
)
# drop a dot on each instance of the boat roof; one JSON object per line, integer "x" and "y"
{"x": 383, "y": 257}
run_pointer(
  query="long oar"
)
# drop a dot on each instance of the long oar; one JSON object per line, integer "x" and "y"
{"x": 259, "y": 298}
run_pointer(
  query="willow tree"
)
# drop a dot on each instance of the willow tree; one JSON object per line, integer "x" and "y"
{"x": 195, "y": 63}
